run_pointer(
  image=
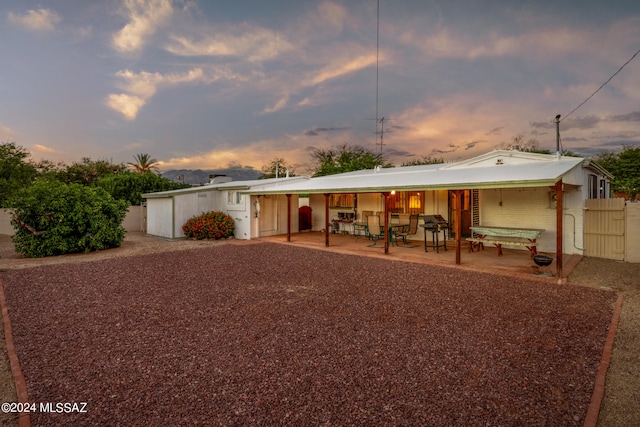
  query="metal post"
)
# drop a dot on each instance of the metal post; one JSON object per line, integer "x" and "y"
{"x": 458, "y": 194}
{"x": 559, "y": 231}
{"x": 326, "y": 219}
{"x": 288, "y": 217}
{"x": 386, "y": 222}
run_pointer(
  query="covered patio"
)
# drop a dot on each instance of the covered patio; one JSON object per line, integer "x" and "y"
{"x": 514, "y": 262}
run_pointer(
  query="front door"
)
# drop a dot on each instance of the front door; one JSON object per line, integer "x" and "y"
{"x": 465, "y": 213}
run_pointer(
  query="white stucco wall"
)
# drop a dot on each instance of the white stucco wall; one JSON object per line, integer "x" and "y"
{"x": 534, "y": 208}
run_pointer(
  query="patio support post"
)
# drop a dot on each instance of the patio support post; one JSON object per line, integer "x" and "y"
{"x": 559, "y": 231}
{"x": 458, "y": 214}
{"x": 326, "y": 219}
{"x": 288, "y": 217}
{"x": 386, "y": 221}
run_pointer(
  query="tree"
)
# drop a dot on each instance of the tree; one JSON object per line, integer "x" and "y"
{"x": 54, "y": 218}
{"x": 144, "y": 163}
{"x": 87, "y": 171}
{"x": 424, "y": 160}
{"x": 531, "y": 146}
{"x": 15, "y": 171}
{"x": 279, "y": 164}
{"x": 345, "y": 158}
{"x": 625, "y": 168}
{"x": 130, "y": 186}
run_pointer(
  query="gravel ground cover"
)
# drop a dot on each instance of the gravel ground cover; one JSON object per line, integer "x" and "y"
{"x": 266, "y": 334}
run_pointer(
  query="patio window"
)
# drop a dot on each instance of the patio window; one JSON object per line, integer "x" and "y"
{"x": 407, "y": 202}
{"x": 341, "y": 201}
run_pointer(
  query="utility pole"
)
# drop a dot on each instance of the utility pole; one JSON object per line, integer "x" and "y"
{"x": 558, "y": 134}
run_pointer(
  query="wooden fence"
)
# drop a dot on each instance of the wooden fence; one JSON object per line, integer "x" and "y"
{"x": 611, "y": 229}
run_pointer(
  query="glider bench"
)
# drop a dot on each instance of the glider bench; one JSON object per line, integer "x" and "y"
{"x": 498, "y": 242}
{"x": 507, "y": 236}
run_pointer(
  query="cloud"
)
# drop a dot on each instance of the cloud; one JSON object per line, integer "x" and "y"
{"x": 250, "y": 43}
{"x": 630, "y": 117}
{"x": 37, "y": 20}
{"x": 495, "y": 131}
{"x": 318, "y": 130}
{"x": 127, "y": 105}
{"x": 342, "y": 68}
{"x": 277, "y": 106}
{"x": 44, "y": 149}
{"x": 6, "y": 133}
{"x": 588, "y": 122}
{"x": 142, "y": 86}
{"x": 144, "y": 17}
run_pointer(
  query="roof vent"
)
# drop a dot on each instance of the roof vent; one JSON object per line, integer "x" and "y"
{"x": 499, "y": 162}
{"x": 377, "y": 168}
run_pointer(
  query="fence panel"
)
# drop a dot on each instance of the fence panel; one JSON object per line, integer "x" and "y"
{"x": 604, "y": 228}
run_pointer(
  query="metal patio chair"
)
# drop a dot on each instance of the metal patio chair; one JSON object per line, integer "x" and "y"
{"x": 374, "y": 230}
{"x": 410, "y": 230}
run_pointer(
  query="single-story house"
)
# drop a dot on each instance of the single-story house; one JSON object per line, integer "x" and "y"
{"x": 507, "y": 188}
{"x": 167, "y": 211}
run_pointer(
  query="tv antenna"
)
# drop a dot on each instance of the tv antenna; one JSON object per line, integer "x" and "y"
{"x": 381, "y": 133}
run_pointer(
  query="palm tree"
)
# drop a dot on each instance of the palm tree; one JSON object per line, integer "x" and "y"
{"x": 144, "y": 163}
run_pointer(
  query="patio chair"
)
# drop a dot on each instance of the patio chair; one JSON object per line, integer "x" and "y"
{"x": 360, "y": 227}
{"x": 410, "y": 230}
{"x": 374, "y": 231}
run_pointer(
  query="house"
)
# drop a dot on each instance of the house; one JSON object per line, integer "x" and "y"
{"x": 167, "y": 211}
{"x": 507, "y": 188}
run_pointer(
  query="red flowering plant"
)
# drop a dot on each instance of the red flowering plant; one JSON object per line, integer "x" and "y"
{"x": 210, "y": 225}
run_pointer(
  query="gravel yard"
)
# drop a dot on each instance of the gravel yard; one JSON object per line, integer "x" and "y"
{"x": 269, "y": 334}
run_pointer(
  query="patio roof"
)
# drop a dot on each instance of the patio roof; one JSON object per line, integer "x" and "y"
{"x": 497, "y": 169}
{"x": 231, "y": 185}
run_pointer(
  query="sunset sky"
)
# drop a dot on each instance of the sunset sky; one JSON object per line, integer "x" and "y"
{"x": 211, "y": 84}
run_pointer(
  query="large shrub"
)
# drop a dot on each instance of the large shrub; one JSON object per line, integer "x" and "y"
{"x": 53, "y": 218}
{"x": 209, "y": 225}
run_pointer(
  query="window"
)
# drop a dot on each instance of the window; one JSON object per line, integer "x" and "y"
{"x": 604, "y": 191}
{"x": 341, "y": 201}
{"x": 411, "y": 202}
{"x": 593, "y": 187}
{"x": 234, "y": 197}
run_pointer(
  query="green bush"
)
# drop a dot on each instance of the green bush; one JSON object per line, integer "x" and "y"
{"x": 210, "y": 225}
{"x": 53, "y": 218}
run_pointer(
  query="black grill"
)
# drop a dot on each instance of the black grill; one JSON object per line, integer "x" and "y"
{"x": 435, "y": 222}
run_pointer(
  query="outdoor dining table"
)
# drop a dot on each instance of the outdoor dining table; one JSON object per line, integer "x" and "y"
{"x": 393, "y": 229}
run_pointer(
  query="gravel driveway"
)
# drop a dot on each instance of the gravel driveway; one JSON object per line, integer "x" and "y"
{"x": 267, "y": 334}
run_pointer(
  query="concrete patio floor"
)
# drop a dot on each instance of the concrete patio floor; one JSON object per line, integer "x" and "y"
{"x": 513, "y": 262}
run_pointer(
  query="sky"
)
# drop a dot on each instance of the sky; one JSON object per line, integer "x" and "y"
{"x": 216, "y": 84}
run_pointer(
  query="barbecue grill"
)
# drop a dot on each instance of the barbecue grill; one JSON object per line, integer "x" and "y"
{"x": 435, "y": 224}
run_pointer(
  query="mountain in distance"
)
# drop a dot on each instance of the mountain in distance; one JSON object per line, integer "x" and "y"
{"x": 199, "y": 176}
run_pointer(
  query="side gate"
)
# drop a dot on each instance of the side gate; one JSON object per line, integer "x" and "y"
{"x": 604, "y": 228}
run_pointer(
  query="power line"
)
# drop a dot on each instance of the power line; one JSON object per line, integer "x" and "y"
{"x": 603, "y": 84}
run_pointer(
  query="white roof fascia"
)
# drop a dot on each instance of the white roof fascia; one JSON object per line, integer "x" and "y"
{"x": 231, "y": 185}
{"x": 537, "y": 170}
